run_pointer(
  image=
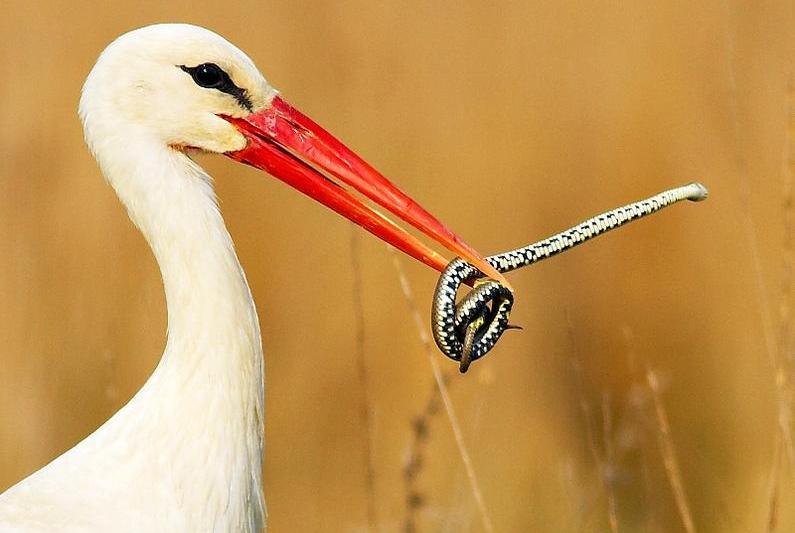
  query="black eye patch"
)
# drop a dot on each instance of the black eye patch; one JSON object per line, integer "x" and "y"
{"x": 211, "y": 76}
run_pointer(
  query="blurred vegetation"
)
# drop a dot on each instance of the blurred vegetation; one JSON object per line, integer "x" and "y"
{"x": 653, "y": 379}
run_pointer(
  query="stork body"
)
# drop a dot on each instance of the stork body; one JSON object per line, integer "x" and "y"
{"x": 184, "y": 455}
{"x": 203, "y": 474}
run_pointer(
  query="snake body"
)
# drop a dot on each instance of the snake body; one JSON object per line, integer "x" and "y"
{"x": 467, "y": 330}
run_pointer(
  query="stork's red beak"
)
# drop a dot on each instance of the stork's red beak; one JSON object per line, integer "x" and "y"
{"x": 289, "y": 145}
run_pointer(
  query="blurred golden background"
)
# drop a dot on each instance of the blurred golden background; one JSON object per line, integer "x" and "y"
{"x": 510, "y": 121}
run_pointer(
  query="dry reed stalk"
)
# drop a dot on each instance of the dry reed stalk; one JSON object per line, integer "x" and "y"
{"x": 361, "y": 366}
{"x": 639, "y": 405}
{"x": 781, "y": 378}
{"x": 745, "y": 192}
{"x": 440, "y": 383}
{"x": 784, "y": 389}
{"x": 775, "y": 487}
{"x": 420, "y": 435}
{"x": 648, "y": 500}
{"x": 607, "y": 474}
{"x": 668, "y": 451}
{"x": 784, "y": 373}
{"x": 590, "y": 431}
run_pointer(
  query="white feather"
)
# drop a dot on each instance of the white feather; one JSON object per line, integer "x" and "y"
{"x": 185, "y": 454}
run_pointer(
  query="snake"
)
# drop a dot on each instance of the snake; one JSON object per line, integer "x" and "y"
{"x": 467, "y": 329}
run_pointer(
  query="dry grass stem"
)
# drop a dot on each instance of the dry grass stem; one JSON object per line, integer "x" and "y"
{"x": 669, "y": 453}
{"x": 784, "y": 390}
{"x": 775, "y": 487}
{"x": 420, "y": 430}
{"x": 638, "y": 403}
{"x": 590, "y": 431}
{"x": 781, "y": 376}
{"x": 440, "y": 383}
{"x": 784, "y": 362}
{"x": 361, "y": 366}
{"x": 609, "y": 466}
{"x": 745, "y": 192}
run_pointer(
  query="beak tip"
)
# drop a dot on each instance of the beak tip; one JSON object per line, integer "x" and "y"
{"x": 491, "y": 272}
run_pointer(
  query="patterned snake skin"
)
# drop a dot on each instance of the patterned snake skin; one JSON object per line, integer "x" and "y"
{"x": 467, "y": 331}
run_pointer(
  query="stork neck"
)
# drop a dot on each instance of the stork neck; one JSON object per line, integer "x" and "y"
{"x": 211, "y": 372}
{"x": 210, "y": 309}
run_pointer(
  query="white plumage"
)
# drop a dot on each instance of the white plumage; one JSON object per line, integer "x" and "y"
{"x": 184, "y": 455}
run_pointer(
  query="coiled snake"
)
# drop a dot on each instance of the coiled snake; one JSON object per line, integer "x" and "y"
{"x": 467, "y": 330}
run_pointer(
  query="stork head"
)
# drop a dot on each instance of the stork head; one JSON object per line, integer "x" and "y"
{"x": 184, "y": 87}
{"x": 172, "y": 83}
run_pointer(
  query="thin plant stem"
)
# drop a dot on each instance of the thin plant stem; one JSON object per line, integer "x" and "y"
{"x": 361, "y": 366}
{"x": 425, "y": 339}
{"x": 609, "y": 464}
{"x": 668, "y": 451}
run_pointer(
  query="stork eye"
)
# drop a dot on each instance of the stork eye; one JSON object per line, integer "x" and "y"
{"x": 208, "y": 75}
{"x": 211, "y": 76}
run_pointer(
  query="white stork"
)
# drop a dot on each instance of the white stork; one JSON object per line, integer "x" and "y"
{"x": 185, "y": 454}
